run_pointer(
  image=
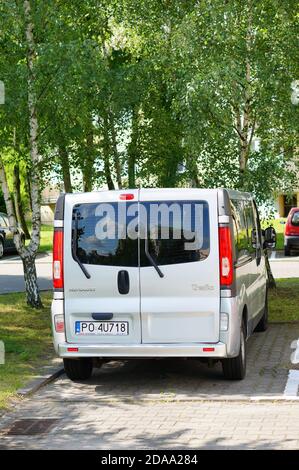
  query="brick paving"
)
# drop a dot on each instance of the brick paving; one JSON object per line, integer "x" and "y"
{"x": 169, "y": 404}
{"x": 156, "y": 425}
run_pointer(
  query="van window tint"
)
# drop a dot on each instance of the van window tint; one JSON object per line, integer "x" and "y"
{"x": 113, "y": 250}
{"x": 251, "y": 227}
{"x": 188, "y": 228}
{"x": 241, "y": 241}
{"x": 258, "y": 227}
{"x": 177, "y": 231}
{"x": 295, "y": 219}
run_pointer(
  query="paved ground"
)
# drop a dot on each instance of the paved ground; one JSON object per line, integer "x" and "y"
{"x": 162, "y": 425}
{"x": 12, "y": 277}
{"x": 284, "y": 266}
{"x": 170, "y": 403}
{"x": 11, "y": 271}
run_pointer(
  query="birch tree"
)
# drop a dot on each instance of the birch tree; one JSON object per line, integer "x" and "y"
{"x": 28, "y": 254}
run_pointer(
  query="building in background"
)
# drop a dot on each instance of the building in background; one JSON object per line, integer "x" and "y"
{"x": 285, "y": 202}
{"x": 49, "y": 197}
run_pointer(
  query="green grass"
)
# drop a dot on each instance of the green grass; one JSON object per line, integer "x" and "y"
{"x": 279, "y": 227}
{"x": 46, "y": 238}
{"x": 284, "y": 301}
{"x": 26, "y": 334}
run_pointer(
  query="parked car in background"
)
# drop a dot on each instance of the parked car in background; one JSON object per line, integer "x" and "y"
{"x": 6, "y": 235}
{"x": 185, "y": 278}
{"x": 291, "y": 233}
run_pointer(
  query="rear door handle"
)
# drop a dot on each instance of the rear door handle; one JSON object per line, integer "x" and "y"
{"x": 102, "y": 316}
{"x": 123, "y": 282}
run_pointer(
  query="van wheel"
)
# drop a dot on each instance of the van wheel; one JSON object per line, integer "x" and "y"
{"x": 234, "y": 368}
{"x": 1, "y": 249}
{"x": 263, "y": 323}
{"x": 287, "y": 251}
{"x": 78, "y": 369}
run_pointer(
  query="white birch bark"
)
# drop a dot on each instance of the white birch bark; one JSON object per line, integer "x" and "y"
{"x": 28, "y": 254}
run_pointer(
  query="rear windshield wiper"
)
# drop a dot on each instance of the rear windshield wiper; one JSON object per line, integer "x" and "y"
{"x": 151, "y": 259}
{"x": 74, "y": 248}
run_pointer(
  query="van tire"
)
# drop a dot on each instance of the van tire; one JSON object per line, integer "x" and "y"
{"x": 234, "y": 368}
{"x": 263, "y": 323}
{"x": 287, "y": 251}
{"x": 78, "y": 369}
{"x": 1, "y": 248}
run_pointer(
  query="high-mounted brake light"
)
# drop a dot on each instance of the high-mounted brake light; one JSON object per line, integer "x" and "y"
{"x": 126, "y": 197}
{"x": 225, "y": 257}
{"x": 58, "y": 259}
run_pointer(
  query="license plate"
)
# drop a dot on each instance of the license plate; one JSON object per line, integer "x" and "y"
{"x": 102, "y": 328}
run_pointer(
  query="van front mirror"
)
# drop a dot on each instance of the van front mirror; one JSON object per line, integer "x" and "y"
{"x": 269, "y": 237}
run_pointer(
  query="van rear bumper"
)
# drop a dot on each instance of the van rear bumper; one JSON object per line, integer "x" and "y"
{"x": 216, "y": 350}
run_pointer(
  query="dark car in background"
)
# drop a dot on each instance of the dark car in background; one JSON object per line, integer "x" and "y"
{"x": 291, "y": 233}
{"x": 6, "y": 236}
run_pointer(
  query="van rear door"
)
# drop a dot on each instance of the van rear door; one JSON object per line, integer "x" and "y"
{"x": 101, "y": 273}
{"x": 182, "y": 306}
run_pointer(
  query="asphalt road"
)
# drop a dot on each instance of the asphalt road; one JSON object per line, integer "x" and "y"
{"x": 11, "y": 270}
{"x": 12, "y": 276}
{"x": 284, "y": 266}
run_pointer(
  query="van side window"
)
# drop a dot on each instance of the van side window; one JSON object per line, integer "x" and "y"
{"x": 251, "y": 227}
{"x": 242, "y": 245}
{"x": 235, "y": 230}
{"x": 258, "y": 226}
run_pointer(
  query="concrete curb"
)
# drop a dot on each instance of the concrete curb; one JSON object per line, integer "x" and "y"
{"x": 48, "y": 375}
{"x": 283, "y": 260}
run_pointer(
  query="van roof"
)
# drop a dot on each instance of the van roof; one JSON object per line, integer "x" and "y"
{"x": 223, "y": 196}
{"x": 231, "y": 192}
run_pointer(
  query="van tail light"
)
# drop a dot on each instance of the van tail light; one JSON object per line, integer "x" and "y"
{"x": 59, "y": 323}
{"x": 58, "y": 259}
{"x": 225, "y": 257}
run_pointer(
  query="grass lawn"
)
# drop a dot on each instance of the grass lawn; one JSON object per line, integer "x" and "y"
{"x": 279, "y": 227}
{"x": 46, "y": 238}
{"x": 26, "y": 334}
{"x": 284, "y": 301}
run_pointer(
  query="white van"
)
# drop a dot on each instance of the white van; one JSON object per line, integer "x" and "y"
{"x": 151, "y": 273}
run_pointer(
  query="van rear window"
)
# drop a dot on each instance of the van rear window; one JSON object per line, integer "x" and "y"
{"x": 177, "y": 232}
{"x": 100, "y": 237}
{"x": 113, "y": 233}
